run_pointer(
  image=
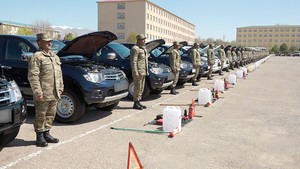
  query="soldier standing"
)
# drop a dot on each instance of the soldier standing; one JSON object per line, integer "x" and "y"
{"x": 239, "y": 57}
{"x": 196, "y": 61}
{"x": 228, "y": 56}
{"x": 221, "y": 54}
{"x": 139, "y": 67}
{"x": 46, "y": 81}
{"x": 211, "y": 61}
{"x": 175, "y": 61}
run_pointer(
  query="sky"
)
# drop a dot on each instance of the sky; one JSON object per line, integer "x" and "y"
{"x": 216, "y": 19}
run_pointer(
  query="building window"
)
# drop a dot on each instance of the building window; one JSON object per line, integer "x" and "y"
{"x": 121, "y": 5}
{"x": 255, "y": 30}
{"x": 121, "y": 25}
{"x": 270, "y": 35}
{"x": 276, "y": 30}
{"x": 270, "y": 30}
{"x": 121, "y": 15}
{"x": 254, "y": 35}
{"x": 287, "y": 35}
{"x": 245, "y": 30}
{"x": 260, "y": 30}
{"x": 121, "y": 35}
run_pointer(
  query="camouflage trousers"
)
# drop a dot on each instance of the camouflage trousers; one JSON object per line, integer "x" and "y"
{"x": 176, "y": 77}
{"x": 210, "y": 70}
{"x": 45, "y": 112}
{"x": 196, "y": 73}
{"x": 222, "y": 66}
{"x": 139, "y": 85}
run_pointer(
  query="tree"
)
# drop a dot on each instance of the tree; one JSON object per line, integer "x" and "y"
{"x": 39, "y": 26}
{"x": 283, "y": 48}
{"x": 132, "y": 37}
{"x": 274, "y": 49}
{"x": 69, "y": 36}
{"x": 293, "y": 49}
{"x": 24, "y": 31}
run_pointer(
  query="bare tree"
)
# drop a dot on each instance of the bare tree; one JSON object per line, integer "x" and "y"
{"x": 41, "y": 26}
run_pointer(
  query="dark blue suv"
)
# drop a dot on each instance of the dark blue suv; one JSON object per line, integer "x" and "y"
{"x": 118, "y": 55}
{"x": 86, "y": 83}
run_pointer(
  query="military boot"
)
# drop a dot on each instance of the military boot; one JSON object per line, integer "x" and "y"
{"x": 140, "y": 104}
{"x": 49, "y": 138}
{"x": 194, "y": 84}
{"x": 40, "y": 140}
{"x": 137, "y": 106}
{"x": 173, "y": 91}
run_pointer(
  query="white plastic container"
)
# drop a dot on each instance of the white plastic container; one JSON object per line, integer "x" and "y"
{"x": 219, "y": 85}
{"x": 232, "y": 79}
{"x": 172, "y": 118}
{"x": 204, "y": 96}
{"x": 239, "y": 74}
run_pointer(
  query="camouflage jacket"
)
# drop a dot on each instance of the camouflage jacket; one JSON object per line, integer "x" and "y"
{"x": 139, "y": 61}
{"x": 210, "y": 57}
{"x": 221, "y": 53}
{"x": 175, "y": 60}
{"x": 196, "y": 59}
{"x": 45, "y": 75}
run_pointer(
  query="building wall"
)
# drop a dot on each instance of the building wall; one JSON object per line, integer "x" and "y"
{"x": 268, "y": 36}
{"x": 142, "y": 16}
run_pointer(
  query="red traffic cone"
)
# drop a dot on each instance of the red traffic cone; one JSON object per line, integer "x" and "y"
{"x": 217, "y": 94}
{"x": 192, "y": 110}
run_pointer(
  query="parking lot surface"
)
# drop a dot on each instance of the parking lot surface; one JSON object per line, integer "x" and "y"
{"x": 255, "y": 125}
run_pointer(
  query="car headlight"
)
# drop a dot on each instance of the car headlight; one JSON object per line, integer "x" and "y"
{"x": 94, "y": 77}
{"x": 15, "y": 92}
{"x": 156, "y": 70}
{"x": 183, "y": 65}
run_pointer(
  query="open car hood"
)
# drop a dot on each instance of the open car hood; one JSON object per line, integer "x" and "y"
{"x": 168, "y": 51}
{"x": 87, "y": 45}
{"x": 154, "y": 44}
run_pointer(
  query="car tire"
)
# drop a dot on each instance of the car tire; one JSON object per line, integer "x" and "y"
{"x": 10, "y": 136}
{"x": 157, "y": 91}
{"x": 146, "y": 91}
{"x": 70, "y": 107}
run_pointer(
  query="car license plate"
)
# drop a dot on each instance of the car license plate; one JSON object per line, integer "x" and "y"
{"x": 5, "y": 116}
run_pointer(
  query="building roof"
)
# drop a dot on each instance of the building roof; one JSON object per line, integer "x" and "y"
{"x": 270, "y": 26}
{"x": 14, "y": 23}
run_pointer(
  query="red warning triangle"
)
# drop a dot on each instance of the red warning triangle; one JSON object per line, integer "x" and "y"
{"x": 132, "y": 154}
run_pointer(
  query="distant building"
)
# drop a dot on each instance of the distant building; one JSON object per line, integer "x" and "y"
{"x": 7, "y": 27}
{"x": 124, "y": 17}
{"x": 268, "y": 36}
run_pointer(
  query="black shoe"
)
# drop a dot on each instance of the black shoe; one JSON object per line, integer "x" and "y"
{"x": 49, "y": 138}
{"x": 173, "y": 91}
{"x": 143, "y": 106}
{"x": 194, "y": 84}
{"x": 40, "y": 140}
{"x": 209, "y": 78}
{"x": 137, "y": 106}
{"x": 221, "y": 74}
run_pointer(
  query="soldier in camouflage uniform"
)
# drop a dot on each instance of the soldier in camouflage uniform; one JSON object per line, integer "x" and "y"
{"x": 139, "y": 67}
{"x": 228, "y": 56}
{"x": 196, "y": 61}
{"x": 46, "y": 81}
{"x": 175, "y": 61}
{"x": 239, "y": 57}
{"x": 221, "y": 55}
{"x": 210, "y": 60}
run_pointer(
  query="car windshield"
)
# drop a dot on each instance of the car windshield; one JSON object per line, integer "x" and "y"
{"x": 56, "y": 45}
{"x": 120, "y": 49}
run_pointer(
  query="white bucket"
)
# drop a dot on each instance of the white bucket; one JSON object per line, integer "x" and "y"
{"x": 172, "y": 118}
{"x": 232, "y": 79}
{"x": 204, "y": 96}
{"x": 239, "y": 74}
{"x": 219, "y": 85}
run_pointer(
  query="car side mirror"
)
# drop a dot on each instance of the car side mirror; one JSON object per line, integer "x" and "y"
{"x": 26, "y": 56}
{"x": 111, "y": 56}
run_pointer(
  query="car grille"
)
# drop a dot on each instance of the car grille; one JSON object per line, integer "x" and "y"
{"x": 114, "y": 76}
{"x": 4, "y": 93}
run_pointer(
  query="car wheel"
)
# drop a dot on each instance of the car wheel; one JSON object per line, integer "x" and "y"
{"x": 157, "y": 91}
{"x": 70, "y": 107}
{"x": 10, "y": 136}
{"x": 146, "y": 91}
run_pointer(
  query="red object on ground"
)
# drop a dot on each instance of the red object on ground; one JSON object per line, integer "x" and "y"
{"x": 174, "y": 132}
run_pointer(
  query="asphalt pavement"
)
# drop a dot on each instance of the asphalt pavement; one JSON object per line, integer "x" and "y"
{"x": 254, "y": 125}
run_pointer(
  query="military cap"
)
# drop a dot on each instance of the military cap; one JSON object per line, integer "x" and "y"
{"x": 195, "y": 44}
{"x": 140, "y": 36}
{"x": 43, "y": 36}
{"x": 175, "y": 43}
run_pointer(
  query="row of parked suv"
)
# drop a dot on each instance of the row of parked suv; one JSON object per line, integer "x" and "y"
{"x": 96, "y": 72}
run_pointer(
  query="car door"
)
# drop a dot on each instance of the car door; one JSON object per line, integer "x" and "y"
{"x": 17, "y": 68}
